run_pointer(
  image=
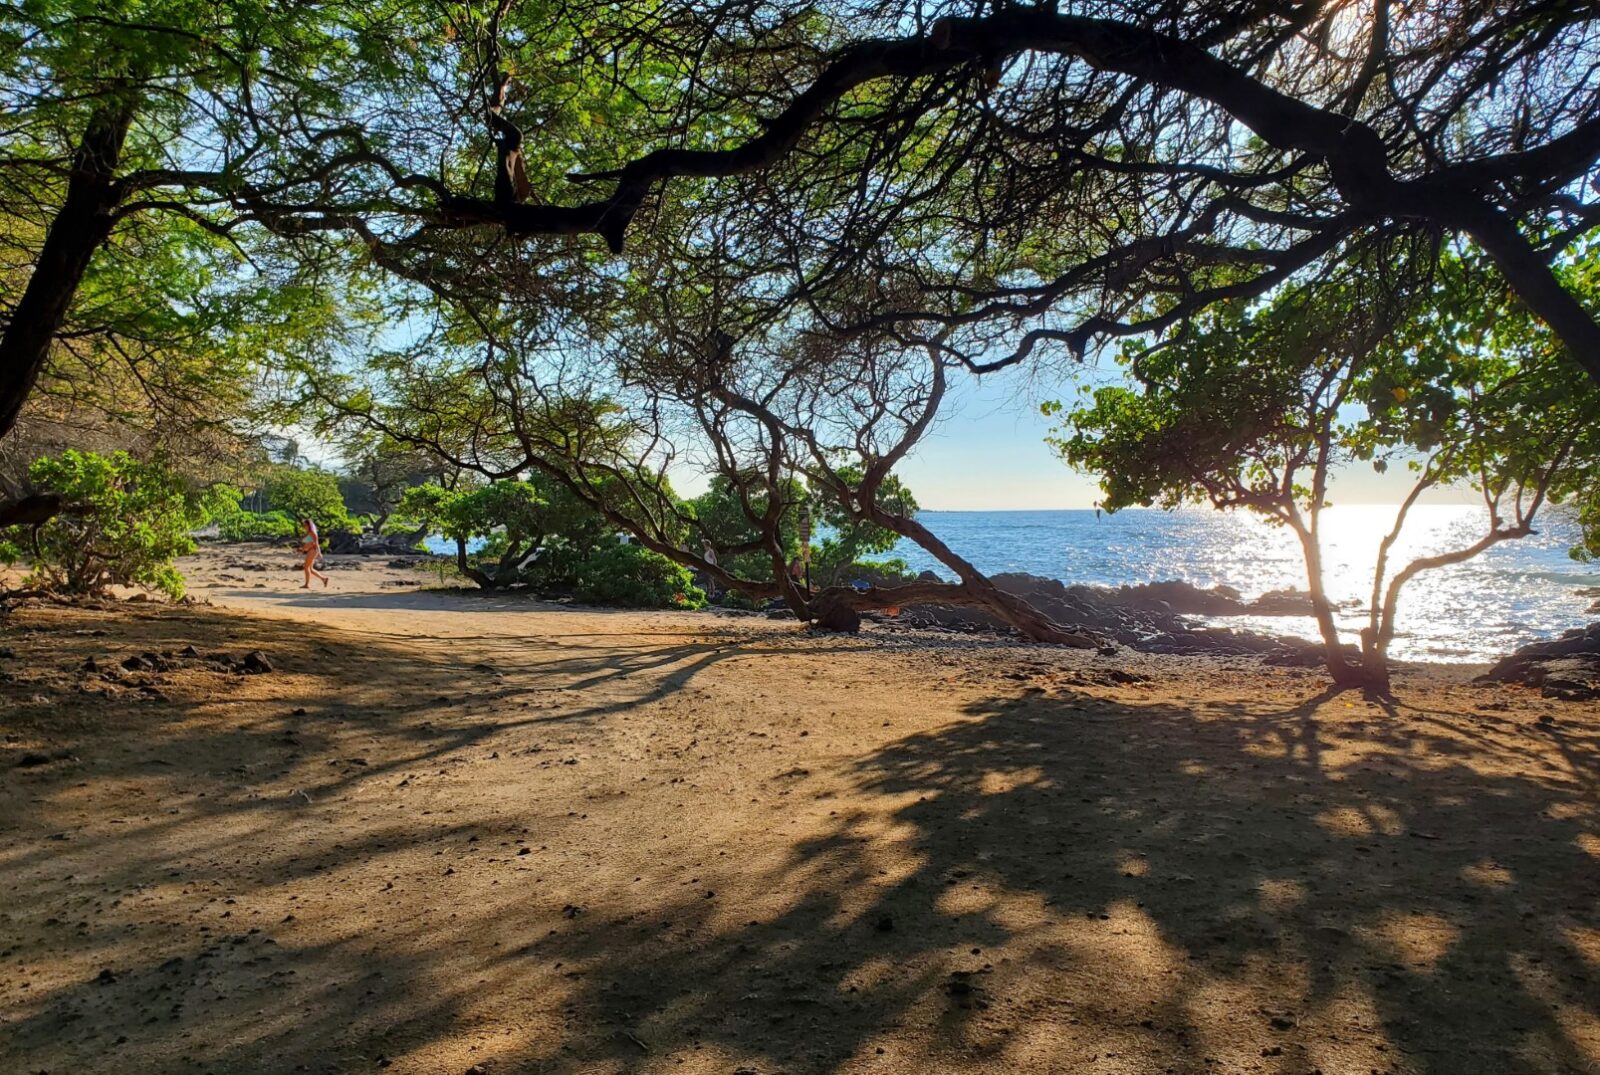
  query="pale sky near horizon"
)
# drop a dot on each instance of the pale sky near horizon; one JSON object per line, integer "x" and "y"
{"x": 987, "y": 453}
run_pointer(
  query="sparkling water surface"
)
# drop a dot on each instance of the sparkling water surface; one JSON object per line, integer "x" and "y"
{"x": 1516, "y": 592}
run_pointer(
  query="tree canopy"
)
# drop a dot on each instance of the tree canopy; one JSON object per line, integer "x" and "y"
{"x": 1024, "y": 179}
{"x": 1257, "y": 405}
{"x": 602, "y": 243}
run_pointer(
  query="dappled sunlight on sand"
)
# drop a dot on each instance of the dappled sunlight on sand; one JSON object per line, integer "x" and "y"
{"x": 609, "y": 848}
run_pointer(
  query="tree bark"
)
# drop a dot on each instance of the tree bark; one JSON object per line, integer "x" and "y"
{"x": 1530, "y": 277}
{"x": 80, "y": 226}
{"x": 35, "y": 510}
{"x": 830, "y": 605}
{"x": 467, "y": 570}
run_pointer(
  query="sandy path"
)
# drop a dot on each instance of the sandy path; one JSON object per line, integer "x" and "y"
{"x": 450, "y": 833}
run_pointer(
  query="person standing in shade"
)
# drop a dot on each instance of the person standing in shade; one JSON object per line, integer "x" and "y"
{"x": 797, "y": 572}
{"x": 710, "y": 557}
{"x": 311, "y": 546}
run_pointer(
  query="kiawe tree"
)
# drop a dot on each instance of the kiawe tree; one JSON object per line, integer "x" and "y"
{"x": 1261, "y": 403}
{"x": 1000, "y": 186}
{"x": 141, "y": 133}
{"x": 1044, "y": 176}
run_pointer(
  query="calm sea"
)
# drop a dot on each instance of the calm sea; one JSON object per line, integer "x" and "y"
{"x": 1514, "y": 593}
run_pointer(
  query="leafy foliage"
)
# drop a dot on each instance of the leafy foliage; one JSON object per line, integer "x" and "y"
{"x": 528, "y": 531}
{"x": 839, "y": 556}
{"x": 1258, "y": 404}
{"x": 630, "y": 576}
{"x": 237, "y": 525}
{"x": 305, "y": 493}
{"x": 728, "y": 516}
{"x": 125, "y": 523}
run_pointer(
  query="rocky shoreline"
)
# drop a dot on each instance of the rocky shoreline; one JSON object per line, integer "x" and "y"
{"x": 1158, "y": 617}
{"x": 1567, "y": 668}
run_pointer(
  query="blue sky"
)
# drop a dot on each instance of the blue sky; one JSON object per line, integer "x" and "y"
{"x": 987, "y": 453}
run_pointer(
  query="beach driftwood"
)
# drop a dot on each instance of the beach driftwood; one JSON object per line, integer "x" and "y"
{"x": 839, "y": 608}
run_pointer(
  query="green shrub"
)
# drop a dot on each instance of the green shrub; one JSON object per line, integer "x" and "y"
{"x": 310, "y": 494}
{"x": 255, "y": 526}
{"x": 878, "y": 572}
{"x": 512, "y": 521}
{"x": 630, "y": 576}
{"x": 125, "y": 523}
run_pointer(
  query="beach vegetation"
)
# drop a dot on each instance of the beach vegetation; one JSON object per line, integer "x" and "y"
{"x": 1445, "y": 373}
{"x": 241, "y": 525}
{"x": 530, "y": 533}
{"x": 308, "y": 493}
{"x": 121, "y": 522}
{"x": 630, "y": 576}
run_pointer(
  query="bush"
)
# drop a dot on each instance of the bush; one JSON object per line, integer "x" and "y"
{"x": 125, "y": 522}
{"x": 513, "y": 522}
{"x": 309, "y": 493}
{"x": 878, "y": 572}
{"x": 255, "y": 526}
{"x": 630, "y": 576}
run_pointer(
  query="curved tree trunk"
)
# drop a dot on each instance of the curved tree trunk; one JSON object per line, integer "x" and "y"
{"x": 975, "y": 589}
{"x": 467, "y": 569}
{"x": 35, "y": 510}
{"x": 1345, "y": 673}
{"x": 82, "y": 224}
{"x": 839, "y": 608}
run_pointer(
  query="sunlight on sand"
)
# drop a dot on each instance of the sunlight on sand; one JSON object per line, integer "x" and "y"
{"x": 1418, "y": 939}
{"x": 1487, "y": 874}
{"x": 1370, "y": 820}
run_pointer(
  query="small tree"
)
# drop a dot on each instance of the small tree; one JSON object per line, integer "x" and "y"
{"x": 754, "y": 534}
{"x": 1255, "y": 406}
{"x": 306, "y": 493}
{"x": 852, "y": 537}
{"x": 515, "y": 520}
{"x": 123, "y": 524}
{"x": 380, "y": 473}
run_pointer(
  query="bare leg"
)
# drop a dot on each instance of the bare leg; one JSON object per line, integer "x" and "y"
{"x": 309, "y": 570}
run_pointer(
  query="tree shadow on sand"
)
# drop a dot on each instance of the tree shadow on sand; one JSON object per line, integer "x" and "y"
{"x": 1043, "y": 882}
{"x": 1278, "y": 892}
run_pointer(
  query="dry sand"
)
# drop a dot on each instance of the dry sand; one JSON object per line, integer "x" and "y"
{"x": 451, "y": 834}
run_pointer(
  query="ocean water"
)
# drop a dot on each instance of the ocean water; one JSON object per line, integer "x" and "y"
{"x": 1517, "y": 592}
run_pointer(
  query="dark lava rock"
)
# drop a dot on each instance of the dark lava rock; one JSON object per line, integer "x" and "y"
{"x": 255, "y": 663}
{"x": 1281, "y": 603}
{"x": 1141, "y": 617}
{"x": 1177, "y": 596}
{"x": 838, "y": 617}
{"x": 31, "y": 760}
{"x": 1566, "y": 668}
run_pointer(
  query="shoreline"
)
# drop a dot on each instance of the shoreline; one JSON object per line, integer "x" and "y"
{"x": 212, "y": 578}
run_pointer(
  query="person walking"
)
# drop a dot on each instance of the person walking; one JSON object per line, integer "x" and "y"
{"x": 311, "y": 546}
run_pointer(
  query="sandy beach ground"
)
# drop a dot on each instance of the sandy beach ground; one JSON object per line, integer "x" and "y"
{"x": 453, "y": 834}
